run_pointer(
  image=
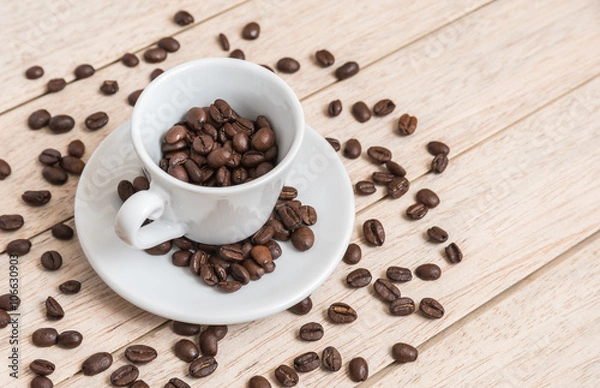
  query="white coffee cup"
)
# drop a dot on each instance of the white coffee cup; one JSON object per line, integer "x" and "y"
{"x": 210, "y": 215}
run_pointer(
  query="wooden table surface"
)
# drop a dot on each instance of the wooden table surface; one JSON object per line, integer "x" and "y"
{"x": 511, "y": 86}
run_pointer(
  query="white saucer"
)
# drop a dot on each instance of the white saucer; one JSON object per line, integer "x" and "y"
{"x": 154, "y": 284}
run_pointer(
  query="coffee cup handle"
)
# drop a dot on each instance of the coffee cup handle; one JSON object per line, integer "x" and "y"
{"x": 134, "y": 212}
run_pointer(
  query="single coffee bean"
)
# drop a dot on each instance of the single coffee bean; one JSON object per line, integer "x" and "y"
{"x": 402, "y": 307}
{"x": 18, "y": 247}
{"x": 407, "y": 124}
{"x": 229, "y": 286}
{"x": 155, "y": 55}
{"x": 258, "y": 382}
{"x": 307, "y": 362}
{"x": 56, "y": 85}
{"x": 139, "y": 384}
{"x": 203, "y": 366}
{"x": 379, "y": 155}
{"x": 428, "y": 198}
{"x": 325, "y": 58}
{"x": 288, "y": 193}
{"x": 428, "y": 271}
{"x": 54, "y": 311}
{"x": 219, "y": 331}
{"x": 359, "y": 369}
{"x": 72, "y": 164}
{"x": 416, "y": 211}
{"x": 303, "y": 307}
{"x": 183, "y": 18}
{"x": 384, "y": 107}
{"x": 353, "y": 254}
{"x": 224, "y": 42}
{"x": 289, "y": 217}
{"x": 288, "y": 65}
{"x": 55, "y": 175}
{"x": 61, "y": 123}
{"x": 395, "y": 168}
{"x": 84, "y": 71}
{"x": 49, "y": 156}
{"x": 361, "y": 112}
{"x": 181, "y": 258}
{"x": 263, "y": 139}
{"x": 360, "y": 277}
{"x": 176, "y": 383}
{"x": 124, "y": 376}
{"x": 347, "y": 70}
{"x": 109, "y": 87}
{"x": 398, "y": 274}
{"x": 36, "y": 198}
{"x": 286, "y": 376}
{"x": 5, "y": 169}
{"x": 251, "y": 31}
{"x": 169, "y": 44}
{"x": 125, "y": 190}
{"x": 96, "y": 363}
{"x": 311, "y": 331}
{"x": 334, "y": 108}
{"x": 439, "y": 163}
{"x": 42, "y": 367}
{"x": 186, "y": 329}
{"x": 365, "y": 187}
{"x": 96, "y": 121}
{"x": 264, "y": 234}
{"x": 437, "y": 147}
{"x": 274, "y": 248}
{"x": 352, "y": 149}
{"x": 341, "y": 313}
{"x": 44, "y": 337}
{"x": 155, "y": 73}
{"x": 130, "y": 60}
{"x": 431, "y": 308}
{"x": 208, "y": 341}
{"x": 386, "y": 290}
{"x": 382, "y": 178}
{"x": 404, "y": 353}
{"x": 51, "y": 260}
{"x": 231, "y": 252}
{"x": 239, "y": 273}
{"x": 70, "y": 287}
{"x": 335, "y": 143}
{"x": 160, "y": 249}
{"x": 453, "y": 253}
{"x": 331, "y": 359}
{"x": 69, "y": 339}
{"x": 41, "y": 382}
{"x": 140, "y": 354}
{"x": 62, "y": 232}
{"x": 38, "y": 119}
{"x": 34, "y": 72}
{"x": 10, "y": 222}
{"x": 9, "y": 302}
{"x": 374, "y": 232}
{"x": 237, "y": 54}
{"x": 76, "y": 148}
{"x": 303, "y": 238}
{"x": 186, "y": 350}
{"x": 308, "y": 214}
{"x": 437, "y": 234}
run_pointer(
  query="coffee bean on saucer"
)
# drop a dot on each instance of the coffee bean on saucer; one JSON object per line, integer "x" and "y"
{"x": 303, "y": 307}
{"x": 36, "y": 197}
{"x": 428, "y": 198}
{"x": 386, "y": 290}
{"x": 5, "y": 169}
{"x": 160, "y": 249}
{"x": 361, "y": 112}
{"x": 41, "y": 382}
{"x": 353, "y": 254}
{"x": 49, "y": 156}
{"x": 203, "y": 366}
{"x": 404, "y": 353}
{"x": 436, "y": 148}
{"x": 334, "y": 108}
{"x": 379, "y": 155}
{"x": 374, "y": 232}
{"x": 341, "y": 313}
{"x": 224, "y": 42}
{"x": 360, "y": 277}
{"x": 431, "y": 308}
{"x": 286, "y": 376}
{"x": 258, "y": 382}
{"x": 18, "y": 247}
{"x": 186, "y": 350}
{"x": 303, "y": 238}
{"x": 307, "y": 362}
{"x": 54, "y": 311}
{"x": 130, "y": 60}
{"x": 42, "y": 367}
{"x": 439, "y": 163}
{"x": 141, "y": 183}
{"x": 155, "y": 55}
{"x": 324, "y": 58}
{"x": 181, "y": 258}
{"x": 44, "y": 337}
{"x": 358, "y": 369}
{"x": 140, "y": 354}
{"x": 312, "y": 331}
{"x": 72, "y": 164}
{"x": 96, "y": 121}
{"x": 55, "y": 175}
{"x": 84, "y": 71}
{"x": 237, "y": 54}
{"x": 428, "y": 271}
{"x": 407, "y": 124}
{"x": 331, "y": 359}
{"x": 335, "y": 143}
{"x": 76, "y": 148}
{"x": 70, "y": 287}
{"x": 352, "y": 149}
{"x": 124, "y": 376}
{"x": 169, "y": 44}
{"x": 251, "y": 31}
{"x": 183, "y": 18}
{"x": 229, "y": 286}
{"x": 96, "y": 363}
{"x": 34, "y": 72}
{"x": 51, "y": 260}
{"x": 288, "y": 65}
{"x": 133, "y": 96}
{"x": 395, "y": 168}
{"x": 398, "y": 274}
{"x": 347, "y": 70}
{"x": 10, "y": 222}
{"x": 453, "y": 253}
{"x": 61, "y": 123}
{"x": 125, "y": 190}
{"x": 155, "y": 73}
{"x": 38, "y": 119}
{"x": 402, "y": 307}
{"x": 288, "y": 193}
{"x": 69, "y": 339}
{"x": 384, "y": 107}
{"x": 365, "y": 187}
{"x": 56, "y": 85}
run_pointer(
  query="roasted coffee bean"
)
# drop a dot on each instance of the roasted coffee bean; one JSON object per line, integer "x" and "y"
{"x": 38, "y": 119}
{"x": 133, "y": 96}
{"x": 303, "y": 307}
{"x": 125, "y": 190}
{"x": 181, "y": 258}
{"x": 428, "y": 271}
{"x": 9, "y": 222}
{"x": 61, "y": 123}
{"x": 239, "y": 273}
{"x": 9, "y": 302}
{"x": 382, "y": 178}
{"x": 54, "y": 175}
{"x": 218, "y": 157}
{"x": 360, "y": 277}
{"x": 34, "y": 72}
{"x": 286, "y": 376}
{"x": 139, "y": 384}
{"x": 341, "y": 313}
{"x": 263, "y": 139}
{"x": 37, "y": 197}
{"x": 183, "y": 18}
{"x": 224, "y": 42}
{"x": 311, "y": 331}
{"x": 407, "y": 124}
{"x": 208, "y": 341}
{"x": 220, "y": 271}
{"x": 303, "y": 238}
{"x": 288, "y": 65}
{"x": 358, "y": 369}
{"x": 453, "y": 253}
{"x": 361, "y": 112}
{"x": 395, "y": 168}
{"x": 347, "y": 70}
{"x": 308, "y": 214}
{"x": 155, "y": 55}
{"x": 398, "y": 274}
{"x": 416, "y": 211}
{"x": 428, "y": 198}
{"x": 109, "y": 87}
{"x": 219, "y": 331}
{"x": 374, "y": 232}
{"x": 179, "y": 172}
{"x": 187, "y": 329}
{"x": 331, "y": 359}
{"x": 130, "y": 60}
{"x": 255, "y": 270}
{"x": 436, "y": 148}
{"x": 141, "y": 183}
{"x": 49, "y": 156}
{"x": 70, "y": 287}
{"x": 384, "y": 107}
{"x": 334, "y": 108}
{"x": 352, "y": 149}
{"x": 18, "y": 247}
{"x": 264, "y": 234}
{"x": 365, "y": 187}
{"x": 51, "y": 260}
{"x": 307, "y": 362}
{"x": 42, "y": 367}
{"x": 124, "y": 376}
{"x": 386, "y": 290}
{"x": 41, "y": 382}
{"x": 402, "y": 307}
{"x": 160, "y": 249}
{"x": 169, "y": 44}
{"x": 237, "y": 54}
{"x": 229, "y": 286}
{"x": 69, "y": 339}
{"x": 353, "y": 254}
{"x": 274, "y": 248}
{"x": 439, "y": 163}
{"x": 203, "y": 366}
{"x": 207, "y": 273}
{"x": 404, "y": 353}
{"x": 280, "y": 232}
{"x": 54, "y": 311}
{"x": 5, "y": 169}
{"x": 186, "y": 350}
{"x": 379, "y": 155}
{"x": 176, "y": 383}
{"x": 437, "y": 234}
{"x": 258, "y": 382}
{"x": 84, "y": 71}
{"x": 324, "y": 58}
{"x": 96, "y": 363}
{"x": 72, "y": 164}
{"x": 431, "y": 308}
{"x": 44, "y": 337}
{"x": 56, "y": 85}
{"x": 335, "y": 143}
{"x": 289, "y": 217}
{"x": 76, "y": 148}
{"x": 178, "y": 133}
{"x": 288, "y": 193}
{"x": 231, "y": 252}
{"x": 251, "y": 31}
{"x": 155, "y": 73}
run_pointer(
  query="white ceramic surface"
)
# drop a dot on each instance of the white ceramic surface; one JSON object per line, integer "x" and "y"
{"x": 212, "y": 215}
{"x": 154, "y": 284}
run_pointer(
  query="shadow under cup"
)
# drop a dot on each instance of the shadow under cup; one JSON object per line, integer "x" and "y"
{"x": 218, "y": 215}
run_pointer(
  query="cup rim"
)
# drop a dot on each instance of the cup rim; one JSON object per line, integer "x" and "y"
{"x": 283, "y": 164}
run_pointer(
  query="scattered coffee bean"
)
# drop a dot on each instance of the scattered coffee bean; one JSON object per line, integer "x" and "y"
{"x": 133, "y": 96}
{"x": 360, "y": 277}
{"x": 186, "y": 350}
{"x": 124, "y": 376}
{"x": 341, "y": 313}
{"x": 139, "y": 384}
{"x": 10, "y": 222}
{"x": 130, "y": 60}
{"x": 374, "y": 232}
{"x": 311, "y": 331}
{"x": 34, "y": 72}
{"x": 359, "y": 369}
{"x": 42, "y": 367}
{"x": 303, "y": 307}
{"x": 428, "y": 271}
{"x": 49, "y": 156}
{"x": 140, "y": 354}
{"x": 398, "y": 274}
{"x": 384, "y": 107}
{"x": 219, "y": 331}
{"x": 72, "y": 164}
{"x": 437, "y": 234}
{"x": 155, "y": 55}
{"x": 54, "y": 175}
{"x": 237, "y": 54}
{"x": 324, "y": 58}
{"x": 361, "y": 112}
{"x": 183, "y": 18}
{"x": 5, "y": 319}
{"x": 286, "y": 376}
{"x": 41, "y": 382}
{"x": 125, "y": 190}
{"x": 5, "y": 169}
{"x": 208, "y": 341}
{"x": 407, "y": 124}
{"x": 307, "y": 362}
{"x": 38, "y": 119}
{"x": 382, "y": 178}
{"x": 44, "y": 337}
{"x": 402, "y": 307}
{"x": 395, "y": 168}
{"x": 96, "y": 363}
{"x": 453, "y": 253}
{"x": 176, "y": 383}
{"x": 335, "y": 143}
{"x": 428, "y": 198}
{"x": 54, "y": 311}
{"x": 303, "y": 238}
{"x": 404, "y": 353}
{"x": 353, "y": 254}
{"x": 160, "y": 249}
{"x": 439, "y": 163}
{"x": 56, "y": 85}
{"x": 331, "y": 359}
{"x": 69, "y": 339}
{"x": 251, "y": 31}
{"x": 155, "y": 73}
{"x": 84, "y": 71}
{"x": 386, "y": 290}
{"x": 352, "y": 149}
{"x": 288, "y": 65}
{"x": 258, "y": 382}
{"x": 61, "y": 123}
{"x": 436, "y": 148}
{"x": 347, "y": 70}
{"x": 379, "y": 155}
{"x": 51, "y": 260}
{"x": 186, "y": 329}
{"x": 109, "y": 87}
{"x": 203, "y": 366}
{"x": 96, "y": 121}
{"x": 76, "y": 148}
{"x": 36, "y": 198}
{"x": 224, "y": 42}
{"x": 334, "y": 108}
{"x": 18, "y": 247}
{"x": 365, "y": 187}
{"x": 9, "y": 302}
{"x": 431, "y": 308}
{"x": 416, "y": 211}
{"x": 70, "y": 287}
